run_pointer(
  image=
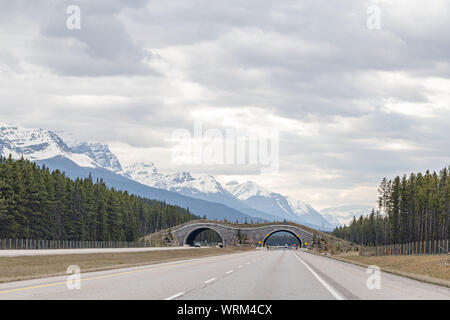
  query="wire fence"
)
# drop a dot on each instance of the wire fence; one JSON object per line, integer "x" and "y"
{"x": 430, "y": 247}
{"x": 32, "y": 244}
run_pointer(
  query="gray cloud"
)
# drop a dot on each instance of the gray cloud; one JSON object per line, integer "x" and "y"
{"x": 360, "y": 104}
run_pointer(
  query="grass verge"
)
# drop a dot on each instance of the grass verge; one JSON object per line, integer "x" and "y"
{"x": 31, "y": 267}
{"x": 431, "y": 269}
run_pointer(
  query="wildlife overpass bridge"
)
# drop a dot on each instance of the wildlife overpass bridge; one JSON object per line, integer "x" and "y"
{"x": 230, "y": 235}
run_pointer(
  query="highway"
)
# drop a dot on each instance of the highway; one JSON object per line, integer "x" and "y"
{"x": 253, "y": 275}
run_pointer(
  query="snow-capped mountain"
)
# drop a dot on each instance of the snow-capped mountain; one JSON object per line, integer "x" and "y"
{"x": 79, "y": 158}
{"x": 84, "y": 159}
{"x": 182, "y": 182}
{"x": 99, "y": 153}
{"x": 343, "y": 215}
{"x": 142, "y": 172}
{"x": 205, "y": 187}
{"x": 281, "y": 206}
{"x": 39, "y": 144}
{"x": 246, "y": 190}
{"x": 247, "y": 197}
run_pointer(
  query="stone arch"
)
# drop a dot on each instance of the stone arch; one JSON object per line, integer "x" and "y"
{"x": 191, "y": 235}
{"x": 297, "y": 236}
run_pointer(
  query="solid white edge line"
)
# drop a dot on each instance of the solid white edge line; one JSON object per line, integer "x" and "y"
{"x": 175, "y": 296}
{"x": 210, "y": 280}
{"x": 323, "y": 282}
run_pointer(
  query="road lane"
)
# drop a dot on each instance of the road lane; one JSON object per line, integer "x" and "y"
{"x": 260, "y": 274}
{"x": 278, "y": 276}
{"x": 158, "y": 281}
{"x": 352, "y": 280}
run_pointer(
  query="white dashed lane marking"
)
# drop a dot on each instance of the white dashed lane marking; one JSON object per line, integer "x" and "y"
{"x": 210, "y": 280}
{"x": 175, "y": 296}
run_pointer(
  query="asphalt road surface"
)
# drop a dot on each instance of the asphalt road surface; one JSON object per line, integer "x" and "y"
{"x": 254, "y": 275}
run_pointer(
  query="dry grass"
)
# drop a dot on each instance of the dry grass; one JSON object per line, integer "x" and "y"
{"x": 29, "y": 267}
{"x": 420, "y": 267}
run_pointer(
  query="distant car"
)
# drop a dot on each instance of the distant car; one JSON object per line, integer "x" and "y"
{"x": 220, "y": 245}
{"x": 197, "y": 245}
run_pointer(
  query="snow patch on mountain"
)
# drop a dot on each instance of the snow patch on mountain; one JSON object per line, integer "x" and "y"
{"x": 39, "y": 144}
{"x": 246, "y": 190}
{"x": 182, "y": 182}
{"x": 145, "y": 173}
{"x": 282, "y": 206}
{"x": 99, "y": 153}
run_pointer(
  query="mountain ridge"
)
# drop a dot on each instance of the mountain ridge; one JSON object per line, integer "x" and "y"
{"x": 251, "y": 200}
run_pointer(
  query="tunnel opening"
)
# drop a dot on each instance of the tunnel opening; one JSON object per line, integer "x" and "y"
{"x": 204, "y": 237}
{"x": 282, "y": 238}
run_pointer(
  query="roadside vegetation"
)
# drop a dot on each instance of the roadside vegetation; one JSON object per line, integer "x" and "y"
{"x": 36, "y": 203}
{"x": 429, "y": 268}
{"x": 410, "y": 209}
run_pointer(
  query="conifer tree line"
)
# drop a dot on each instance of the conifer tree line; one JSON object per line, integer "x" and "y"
{"x": 38, "y": 204}
{"x": 410, "y": 209}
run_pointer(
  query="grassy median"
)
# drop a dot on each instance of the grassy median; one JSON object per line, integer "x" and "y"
{"x": 29, "y": 267}
{"x": 434, "y": 269}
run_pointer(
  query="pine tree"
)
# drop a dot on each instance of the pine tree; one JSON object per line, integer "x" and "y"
{"x": 36, "y": 203}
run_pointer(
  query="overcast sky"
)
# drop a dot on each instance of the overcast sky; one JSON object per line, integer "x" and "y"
{"x": 352, "y": 104}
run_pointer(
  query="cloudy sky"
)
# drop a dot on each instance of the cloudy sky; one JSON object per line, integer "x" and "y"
{"x": 353, "y": 103}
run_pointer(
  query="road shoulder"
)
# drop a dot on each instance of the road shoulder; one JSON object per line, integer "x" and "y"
{"x": 418, "y": 277}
